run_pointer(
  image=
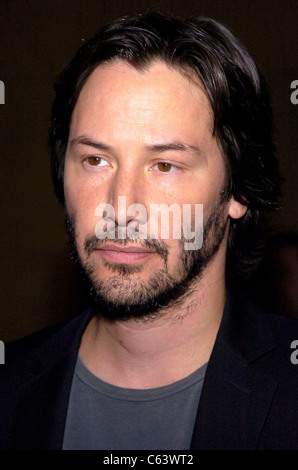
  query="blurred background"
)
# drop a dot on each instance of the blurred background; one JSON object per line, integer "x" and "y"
{"x": 39, "y": 282}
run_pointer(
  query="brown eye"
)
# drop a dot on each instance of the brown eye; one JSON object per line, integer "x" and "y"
{"x": 164, "y": 166}
{"x": 94, "y": 161}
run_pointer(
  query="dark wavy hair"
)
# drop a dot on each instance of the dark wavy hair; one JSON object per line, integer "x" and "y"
{"x": 237, "y": 93}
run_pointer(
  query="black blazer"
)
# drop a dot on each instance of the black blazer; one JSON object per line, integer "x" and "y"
{"x": 249, "y": 398}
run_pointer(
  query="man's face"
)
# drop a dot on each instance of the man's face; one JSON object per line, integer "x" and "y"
{"x": 146, "y": 136}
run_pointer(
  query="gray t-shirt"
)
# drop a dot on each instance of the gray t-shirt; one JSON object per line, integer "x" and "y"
{"x": 107, "y": 417}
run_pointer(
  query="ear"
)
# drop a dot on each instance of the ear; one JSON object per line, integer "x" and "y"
{"x": 236, "y": 209}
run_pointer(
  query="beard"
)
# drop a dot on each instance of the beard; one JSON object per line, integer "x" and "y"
{"x": 124, "y": 296}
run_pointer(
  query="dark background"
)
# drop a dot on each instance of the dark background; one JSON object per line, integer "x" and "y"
{"x": 39, "y": 282}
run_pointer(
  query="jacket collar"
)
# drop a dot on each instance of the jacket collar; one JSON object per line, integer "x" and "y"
{"x": 45, "y": 389}
{"x": 244, "y": 330}
{"x": 236, "y": 398}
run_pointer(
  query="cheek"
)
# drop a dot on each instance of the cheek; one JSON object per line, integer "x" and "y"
{"x": 71, "y": 189}
{"x": 174, "y": 259}
{"x": 71, "y": 201}
{"x": 81, "y": 213}
{"x": 81, "y": 199}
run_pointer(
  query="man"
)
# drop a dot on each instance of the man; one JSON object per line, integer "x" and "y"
{"x": 155, "y": 110}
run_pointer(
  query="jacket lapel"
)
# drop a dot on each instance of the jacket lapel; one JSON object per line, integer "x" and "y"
{"x": 43, "y": 396}
{"x": 236, "y": 397}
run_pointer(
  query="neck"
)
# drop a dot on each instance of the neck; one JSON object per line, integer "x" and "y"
{"x": 136, "y": 354}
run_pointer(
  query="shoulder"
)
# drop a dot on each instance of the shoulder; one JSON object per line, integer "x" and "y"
{"x": 260, "y": 335}
{"x": 25, "y": 346}
{"x": 285, "y": 333}
{"x": 50, "y": 341}
{"x": 282, "y": 326}
{"x": 30, "y": 361}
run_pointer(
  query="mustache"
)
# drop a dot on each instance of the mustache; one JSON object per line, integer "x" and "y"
{"x": 93, "y": 243}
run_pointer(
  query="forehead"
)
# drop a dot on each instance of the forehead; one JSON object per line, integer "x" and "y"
{"x": 158, "y": 97}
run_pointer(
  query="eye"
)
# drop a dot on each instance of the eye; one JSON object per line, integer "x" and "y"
{"x": 166, "y": 167}
{"x": 95, "y": 161}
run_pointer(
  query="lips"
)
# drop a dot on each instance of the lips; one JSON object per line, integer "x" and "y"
{"x": 125, "y": 249}
{"x": 124, "y": 254}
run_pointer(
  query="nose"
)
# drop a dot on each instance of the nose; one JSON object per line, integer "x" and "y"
{"x": 126, "y": 194}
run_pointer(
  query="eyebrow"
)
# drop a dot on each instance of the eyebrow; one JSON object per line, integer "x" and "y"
{"x": 175, "y": 145}
{"x": 155, "y": 148}
{"x": 91, "y": 143}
